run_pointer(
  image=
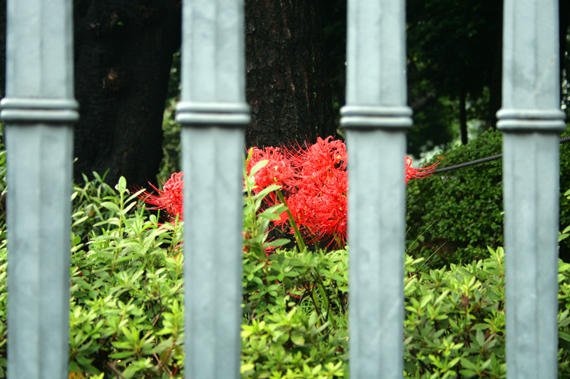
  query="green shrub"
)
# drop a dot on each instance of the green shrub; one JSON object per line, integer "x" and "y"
{"x": 294, "y": 304}
{"x": 292, "y": 345}
{"x": 453, "y": 216}
{"x": 455, "y": 319}
{"x": 126, "y": 314}
{"x": 564, "y": 199}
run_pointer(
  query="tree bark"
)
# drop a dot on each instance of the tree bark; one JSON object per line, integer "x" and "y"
{"x": 287, "y": 87}
{"x": 123, "y": 55}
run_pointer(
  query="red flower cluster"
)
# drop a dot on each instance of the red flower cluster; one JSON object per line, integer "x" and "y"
{"x": 418, "y": 173}
{"x": 169, "y": 199}
{"x": 314, "y": 182}
{"x": 278, "y": 169}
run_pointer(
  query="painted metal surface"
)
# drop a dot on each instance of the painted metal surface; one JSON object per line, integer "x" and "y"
{"x": 531, "y": 120}
{"x": 38, "y": 112}
{"x": 376, "y": 118}
{"x": 213, "y": 114}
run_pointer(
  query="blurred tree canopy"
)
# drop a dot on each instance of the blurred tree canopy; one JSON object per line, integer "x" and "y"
{"x": 454, "y": 69}
{"x": 295, "y": 62}
{"x": 454, "y": 65}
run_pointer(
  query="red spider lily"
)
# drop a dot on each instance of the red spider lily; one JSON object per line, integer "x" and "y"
{"x": 322, "y": 188}
{"x": 169, "y": 199}
{"x": 277, "y": 171}
{"x": 314, "y": 185}
{"x": 324, "y": 156}
{"x": 418, "y": 173}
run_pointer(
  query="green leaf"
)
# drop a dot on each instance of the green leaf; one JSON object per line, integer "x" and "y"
{"x": 298, "y": 339}
{"x": 276, "y": 243}
{"x": 564, "y": 335}
{"x": 122, "y": 355}
{"x": 122, "y": 185}
{"x": 111, "y": 206}
{"x": 258, "y": 166}
{"x": 246, "y": 367}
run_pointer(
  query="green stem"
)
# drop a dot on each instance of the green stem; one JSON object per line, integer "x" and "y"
{"x": 300, "y": 241}
{"x": 315, "y": 305}
{"x": 120, "y": 234}
{"x": 324, "y": 295}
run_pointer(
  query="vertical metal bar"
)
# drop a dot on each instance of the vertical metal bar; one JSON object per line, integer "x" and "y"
{"x": 213, "y": 114}
{"x": 531, "y": 120}
{"x": 376, "y": 118}
{"x": 39, "y": 111}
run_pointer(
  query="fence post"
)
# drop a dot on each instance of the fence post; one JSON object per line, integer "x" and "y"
{"x": 213, "y": 114}
{"x": 531, "y": 120}
{"x": 38, "y": 112}
{"x": 376, "y": 118}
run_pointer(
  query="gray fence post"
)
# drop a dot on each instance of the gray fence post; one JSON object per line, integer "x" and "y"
{"x": 38, "y": 112}
{"x": 376, "y": 118}
{"x": 531, "y": 120}
{"x": 213, "y": 114}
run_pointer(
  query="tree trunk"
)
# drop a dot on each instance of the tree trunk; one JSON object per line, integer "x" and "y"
{"x": 123, "y": 55}
{"x": 287, "y": 88}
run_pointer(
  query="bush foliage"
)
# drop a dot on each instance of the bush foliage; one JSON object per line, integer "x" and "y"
{"x": 126, "y": 313}
{"x": 453, "y": 216}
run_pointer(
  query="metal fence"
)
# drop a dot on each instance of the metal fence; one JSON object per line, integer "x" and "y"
{"x": 39, "y": 112}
